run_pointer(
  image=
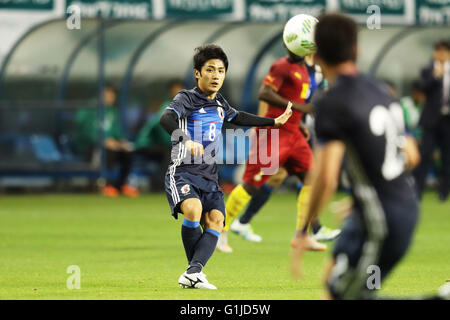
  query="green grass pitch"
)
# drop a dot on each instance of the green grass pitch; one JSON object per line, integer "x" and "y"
{"x": 131, "y": 249}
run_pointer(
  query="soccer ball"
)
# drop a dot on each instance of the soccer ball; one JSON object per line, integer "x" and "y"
{"x": 298, "y": 34}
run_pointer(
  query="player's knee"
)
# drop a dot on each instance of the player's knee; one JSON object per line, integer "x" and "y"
{"x": 192, "y": 209}
{"x": 214, "y": 219}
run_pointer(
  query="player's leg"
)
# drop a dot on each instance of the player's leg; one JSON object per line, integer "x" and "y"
{"x": 300, "y": 163}
{"x": 347, "y": 275}
{"x": 263, "y": 194}
{"x": 302, "y": 210}
{"x": 125, "y": 159}
{"x": 366, "y": 254}
{"x": 320, "y": 232}
{"x": 196, "y": 244}
{"x": 212, "y": 222}
{"x": 236, "y": 201}
{"x": 242, "y": 225}
{"x": 191, "y": 231}
{"x": 327, "y": 274}
{"x": 110, "y": 189}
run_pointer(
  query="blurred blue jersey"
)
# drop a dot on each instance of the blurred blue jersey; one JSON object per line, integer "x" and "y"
{"x": 201, "y": 119}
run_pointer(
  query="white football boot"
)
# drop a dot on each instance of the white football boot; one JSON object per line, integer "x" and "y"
{"x": 195, "y": 281}
{"x": 311, "y": 244}
{"x": 444, "y": 291}
{"x": 222, "y": 243}
{"x": 245, "y": 230}
{"x": 326, "y": 234}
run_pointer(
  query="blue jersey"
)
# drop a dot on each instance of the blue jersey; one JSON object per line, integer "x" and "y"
{"x": 316, "y": 81}
{"x": 312, "y": 81}
{"x": 201, "y": 119}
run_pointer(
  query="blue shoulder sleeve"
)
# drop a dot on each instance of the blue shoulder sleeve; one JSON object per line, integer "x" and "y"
{"x": 181, "y": 104}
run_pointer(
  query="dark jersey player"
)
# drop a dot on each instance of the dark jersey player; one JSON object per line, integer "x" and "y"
{"x": 357, "y": 119}
{"x": 194, "y": 120}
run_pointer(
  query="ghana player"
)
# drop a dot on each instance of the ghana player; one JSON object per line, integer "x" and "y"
{"x": 288, "y": 80}
{"x": 357, "y": 119}
{"x": 242, "y": 225}
{"x": 194, "y": 120}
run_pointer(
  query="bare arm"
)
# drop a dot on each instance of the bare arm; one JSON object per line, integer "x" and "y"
{"x": 247, "y": 119}
{"x": 267, "y": 94}
{"x": 325, "y": 177}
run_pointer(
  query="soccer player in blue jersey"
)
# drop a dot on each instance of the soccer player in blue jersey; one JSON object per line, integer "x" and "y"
{"x": 194, "y": 120}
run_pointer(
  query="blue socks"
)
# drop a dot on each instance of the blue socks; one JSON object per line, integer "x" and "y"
{"x": 199, "y": 247}
{"x": 256, "y": 203}
{"x": 203, "y": 250}
{"x": 190, "y": 234}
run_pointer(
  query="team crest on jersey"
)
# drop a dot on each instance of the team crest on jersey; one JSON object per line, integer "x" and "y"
{"x": 185, "y": 189}
{"x": 220, "y": 112}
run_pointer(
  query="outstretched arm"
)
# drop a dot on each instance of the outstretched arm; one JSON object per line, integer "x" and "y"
{"x": 325, "y": 177}
{"x": 247, "y": 119}
{"x": 269, "y": 95}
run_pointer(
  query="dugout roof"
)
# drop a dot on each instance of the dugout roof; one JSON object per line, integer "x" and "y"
{"x": 141, "y": 54}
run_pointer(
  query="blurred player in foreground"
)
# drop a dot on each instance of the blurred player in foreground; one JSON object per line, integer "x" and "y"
{"x": 358, "y": 117}
{"x": 194, "y": 120}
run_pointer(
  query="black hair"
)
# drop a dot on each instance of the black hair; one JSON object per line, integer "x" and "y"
{"x": 208, "y": 52}
{"x": 336, "y": 38}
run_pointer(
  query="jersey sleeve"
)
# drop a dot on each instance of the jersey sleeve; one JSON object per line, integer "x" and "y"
{"x": 181, "y": 105}
{"x": 275, "y": 78}
{"x": 329, "y": 120}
